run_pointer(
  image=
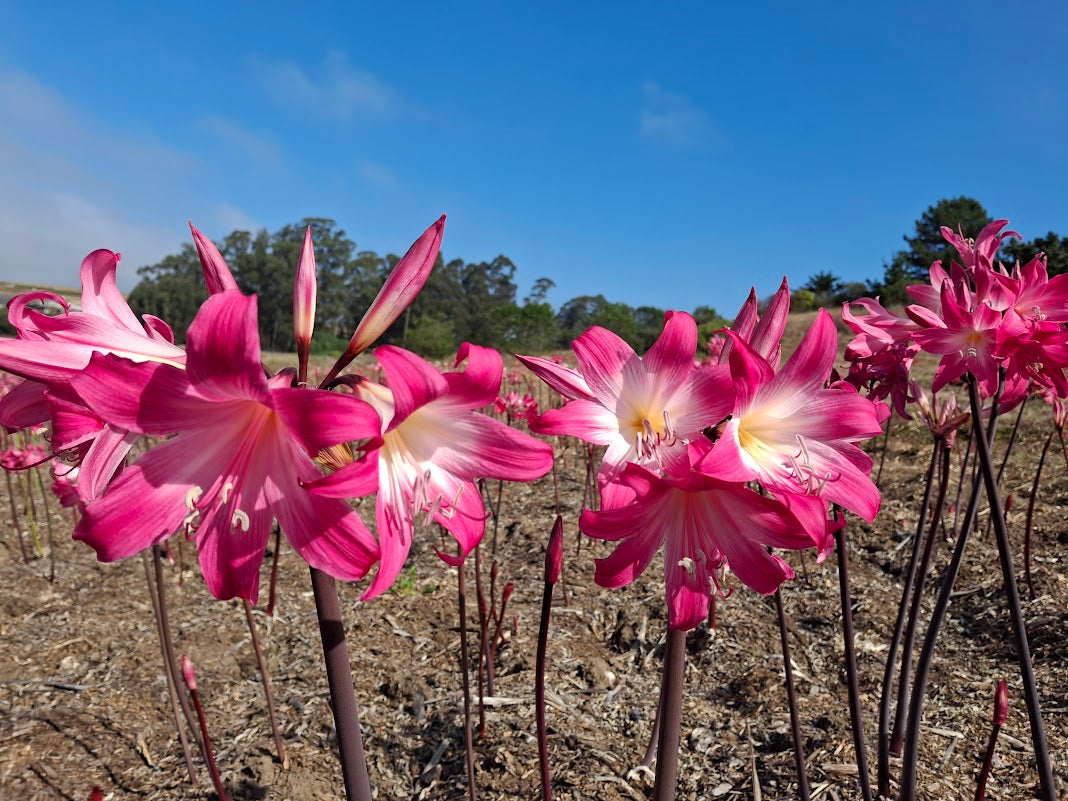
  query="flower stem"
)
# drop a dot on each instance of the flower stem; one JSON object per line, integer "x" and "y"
{"x": 904, "y": 683}
{"x": 209, "y": 757}
{"x": 667, "y": 752}
{"x": 48, "y": 523}
{"x": 910, "y": 754}
{"x": 168, "y": 674}
{"x": 266, "y": 677}
{"x": 539, "y": 692}
{"x": 1019, "y": 629}
{"x": 895, "y": 639}
{"x": 855, "y": 714}
{"x": 15, "y": 522}
{"x": 168, "y": 646}
{"x": 791, "y": 699}
{"x": 1031, "y": 516}
{"x": 886, "y": 442}
{"x": 465, "y": 670}
{"x": 272, "y": 596}
{"x": 342, "y": 695}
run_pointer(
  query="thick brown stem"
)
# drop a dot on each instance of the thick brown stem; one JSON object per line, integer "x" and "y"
{"x": 342, "y": 694}
{"x": 667, "y": 752}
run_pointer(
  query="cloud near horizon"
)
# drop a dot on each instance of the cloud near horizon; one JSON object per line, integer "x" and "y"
{"x": 76, "y": 182}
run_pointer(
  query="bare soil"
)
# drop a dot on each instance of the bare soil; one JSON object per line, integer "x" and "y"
{"x": 83, "y": 700}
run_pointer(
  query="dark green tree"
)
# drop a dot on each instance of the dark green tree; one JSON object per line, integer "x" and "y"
{"x": 927, "y": 245}
{"x": 171, "y": 289}
{"x": 1054, "y": 246}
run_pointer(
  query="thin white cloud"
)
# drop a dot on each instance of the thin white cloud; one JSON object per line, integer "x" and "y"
{"x": 74, "y": 182}
{"x": 673, "y": 118}
{"x": 378, "y": 175}
{"x": 258, "y": 146}
{"x": 336, "y": 90}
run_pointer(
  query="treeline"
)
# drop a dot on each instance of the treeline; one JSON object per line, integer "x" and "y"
{"x": 478, "y": 301}
{"x": 462, "y": 301}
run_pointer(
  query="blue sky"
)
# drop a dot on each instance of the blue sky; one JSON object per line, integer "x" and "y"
{"x": 670, "y": 158}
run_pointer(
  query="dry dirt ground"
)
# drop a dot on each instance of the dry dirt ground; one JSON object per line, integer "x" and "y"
{"x": 83, "y": 700}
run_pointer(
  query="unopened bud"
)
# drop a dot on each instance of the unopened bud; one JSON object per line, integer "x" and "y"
{"x": 1001, "y": 703}
{"x": 304, "y": 290}
{"x": 189, "y": 674}
{"x": 1008, "y": 504}
{"x": 509, "y": 588}
{"x": 554, "y": 553}
{"x": 96, "y": 794}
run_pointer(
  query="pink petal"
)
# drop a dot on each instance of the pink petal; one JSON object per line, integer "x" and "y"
{"x": 229, "y": 557}
{"x": 217, "y": 275}
{"x": 564, "y": 380}
{"x": 585, "y": 419}
{"x": 223, "y": 346}
{"x": 477, "y": 446}
{"x": 464, "y": 516}
{"x": 605, "y": 358}
{"x": 768, "y": 333}
{"x": 479, "y": 383}
{"x": 686, "y": 577}
{"x": 671, "y": 356}
{"x": 145, "y": 504}
{"x": 807, "y": 368}
{"x": 413, "y": 381}
{"x": 632, "y": 555}
{"x": 72, "y": 422}
{"x": 319, "y": 419}
{"x": 103, "y": 459}
{"x": 24, "y": 406}
{"x": 354, "y": 480}
{"x": 749, "y": 370}
{"x": 100, "y": 293}
{"x": 149, "y": 398}
{"x": 327, "y": 533}
{"x": 394, "y": 526}
{"x": 158, "y": 329}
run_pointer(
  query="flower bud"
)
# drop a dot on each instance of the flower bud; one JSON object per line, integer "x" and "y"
{"x": 1001, "y": 703}
{"x": 304, "y": 288}
{"x": 189, "y": 674}
{"x": 217, "y": 275}
{"x": 400, "y": 289}
{"x": 554, "y": 553}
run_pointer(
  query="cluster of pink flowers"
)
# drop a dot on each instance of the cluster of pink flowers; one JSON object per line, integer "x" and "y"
{"x": 978, "y": 316}
{"x": 685, "y": 442}
{"x": 516, "y": 409}
{"x": 240, "y": 447}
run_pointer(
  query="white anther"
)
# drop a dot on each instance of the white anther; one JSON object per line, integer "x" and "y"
{"x": 240, "y": 520}
{"x": 192, "y": 496}
{"x": 688, "y": 565}
{"x": 227, "y": 488}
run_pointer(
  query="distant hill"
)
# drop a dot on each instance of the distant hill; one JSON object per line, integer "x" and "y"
{"x": 8, "y": 290}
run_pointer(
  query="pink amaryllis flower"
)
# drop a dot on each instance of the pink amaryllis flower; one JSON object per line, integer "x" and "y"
{"x": 704, "y": 524}
{"x": 795, "y": 436}
{"x": 50, "y": 350}
{"x": 964, "y": 337}
{"x": 645, "y": 410}
{"x": 435, "y": 445}
{"x": 242, "y": 450}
